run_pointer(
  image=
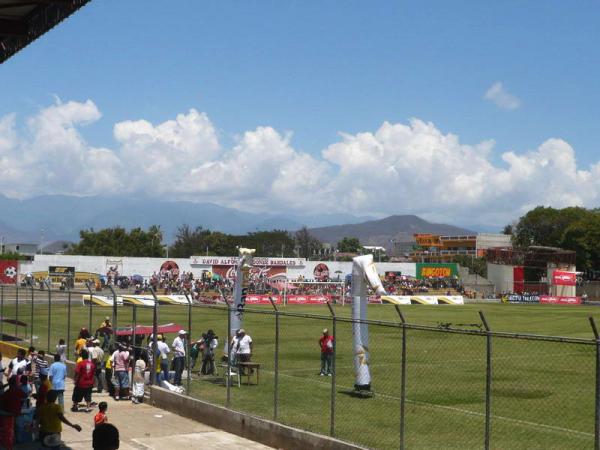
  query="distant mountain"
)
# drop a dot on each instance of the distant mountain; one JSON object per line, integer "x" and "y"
{"x": 62, "y": 217}
{"x": 382, "y": 232}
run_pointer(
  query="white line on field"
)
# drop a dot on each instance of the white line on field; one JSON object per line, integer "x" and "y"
{"x": 455, "y": 409}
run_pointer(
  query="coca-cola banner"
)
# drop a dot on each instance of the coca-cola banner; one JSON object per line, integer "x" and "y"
{"x": 308, "y": 299}
{"x": 563, "y": 278}
{"x": 560, "y": 300}
{"x": 256, "y": 299}
{"x": 8, "y": 271}
{"x": 257, "y": 273}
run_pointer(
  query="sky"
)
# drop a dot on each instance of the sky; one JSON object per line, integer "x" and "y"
{"x": 463, "y": 112}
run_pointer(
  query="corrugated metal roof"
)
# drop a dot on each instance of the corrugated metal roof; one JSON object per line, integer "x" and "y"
{"x": 23, "y": 21}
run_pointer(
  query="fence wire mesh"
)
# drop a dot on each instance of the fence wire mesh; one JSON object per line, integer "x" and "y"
{"x": 542, "y": 389}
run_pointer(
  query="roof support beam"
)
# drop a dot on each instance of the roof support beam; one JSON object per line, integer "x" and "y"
{"x": 13, "y": 27}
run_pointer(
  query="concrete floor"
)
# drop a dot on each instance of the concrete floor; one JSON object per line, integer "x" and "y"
{"x": 146, "y": 427}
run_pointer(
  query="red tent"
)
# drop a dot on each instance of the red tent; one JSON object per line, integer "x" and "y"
{"x": 145, "y": 329}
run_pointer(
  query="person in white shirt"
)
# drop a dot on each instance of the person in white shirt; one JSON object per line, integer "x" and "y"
{"x": 18, "y": 365}
{"x": 163, "y": 356}
{"x": 179, "y": 344}
{"x": 97, "y": 357}
{"x": 243, "y": 348}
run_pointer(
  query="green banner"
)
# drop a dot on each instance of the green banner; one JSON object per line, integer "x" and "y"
{"x": 436, "y": 270}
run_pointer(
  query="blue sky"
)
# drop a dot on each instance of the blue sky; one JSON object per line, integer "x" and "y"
{"x": 317, "y": 68}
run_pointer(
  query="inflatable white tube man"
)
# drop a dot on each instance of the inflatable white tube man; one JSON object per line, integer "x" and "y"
{"x": 364, "y": 274}
{"x": 242, "y": 281}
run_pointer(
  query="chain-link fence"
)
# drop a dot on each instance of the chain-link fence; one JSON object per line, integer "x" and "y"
{"x": 447, "y": 386}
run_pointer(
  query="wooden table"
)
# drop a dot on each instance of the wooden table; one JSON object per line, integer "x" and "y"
{"x": 249, "y": 367}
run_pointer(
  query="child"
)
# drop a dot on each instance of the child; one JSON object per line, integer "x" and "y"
{"x": 50, "y": 416}
{"x": 61, "y": 349}
{"x": 101, "y": 417}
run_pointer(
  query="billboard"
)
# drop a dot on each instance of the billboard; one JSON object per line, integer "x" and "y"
{"x": 564, "y": 278}
{"x": 436, "y": 270}
{"x": 8, "y": 271}
{"x": 560, "y": 300}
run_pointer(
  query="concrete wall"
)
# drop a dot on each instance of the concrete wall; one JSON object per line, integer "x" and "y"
{"x": 501, "y": 276}
{"x": 145, "y": 267}
{"x": 256, "y": 429}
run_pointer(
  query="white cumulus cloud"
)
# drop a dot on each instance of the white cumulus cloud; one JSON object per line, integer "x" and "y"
{"x": 409, "y": 167}
{"x": 498, "y": 94}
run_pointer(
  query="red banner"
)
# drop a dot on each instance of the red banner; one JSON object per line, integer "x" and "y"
{"x": 556, "y": 300}
{"x": 254, "y": 299}
{"x": 308, "y": 299}
{"x": 8, "y": 271}
{"x": 518, "y": 279}
{"x": 562, "y": 278}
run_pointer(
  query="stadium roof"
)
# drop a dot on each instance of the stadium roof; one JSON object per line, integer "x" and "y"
{"x": 23, "y": 21}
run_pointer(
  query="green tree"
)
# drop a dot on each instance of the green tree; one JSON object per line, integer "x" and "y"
{"x": 307, "y": 244}
{"x": 117, "y": 241}
{"x": 349, "y": 245}
{"x": 546, "y": 226}
{"x": 583, "y": 237}
{"x": 475, "y": 265}
{"x": 12, "y": 256}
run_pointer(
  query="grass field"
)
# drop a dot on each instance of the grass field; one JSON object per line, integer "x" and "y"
{"x": 543, "y": 392}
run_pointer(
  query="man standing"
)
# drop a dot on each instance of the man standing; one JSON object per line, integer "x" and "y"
{"x": 18, "y": 365}
{"x": 97, "y": 355}
{"x": 163, "y": 356}
{"x": 179, "y": 344}
{"x": 243, "y": 350}
{"x": 57, "y": 374}
{"x": 84, "y": 381}
{"x": 40, "y": 367}
{"x": 326, "y": 344}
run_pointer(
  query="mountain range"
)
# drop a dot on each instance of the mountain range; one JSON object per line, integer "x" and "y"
{"x": 384, "y": 232}
{"x": 61, "y": 217}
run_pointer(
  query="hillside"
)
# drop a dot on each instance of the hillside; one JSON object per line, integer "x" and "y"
{"x": 382, "y": 232}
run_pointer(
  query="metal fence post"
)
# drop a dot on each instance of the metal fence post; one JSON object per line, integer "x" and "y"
{"x": 488, "y": 382}
{"x": 2, "y": 312}
{"x": 134, "y": 325}
{"x": 49, "y": 312}
{"x": 68, "y": 320}
{"x": 189, "y": 341}
{"x": 31, "y": 318}
{"x": 402, "y": 378}
{"x": 228, "y": 376}
{"x": 333, "y": 375}
{"x": 276, "y": 362}
{"x": 154, "y": 335}
{"x": 114, "y": 316}
{"x": 597, "y": 393}
{"x": 87, "y": 285}
{"x": 16, "y": 311}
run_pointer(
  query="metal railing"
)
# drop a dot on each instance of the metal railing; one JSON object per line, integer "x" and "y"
{"x": 444, "y": 386}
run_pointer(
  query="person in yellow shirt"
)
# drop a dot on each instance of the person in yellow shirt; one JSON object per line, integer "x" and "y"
{"x": 81, "y": 341}
{"x": 51, "y": 419}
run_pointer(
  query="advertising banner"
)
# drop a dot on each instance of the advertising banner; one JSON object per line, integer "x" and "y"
{"x": 255, "y": 299}
{"x": 308, "y": 299}
{"x": 257, "y": 273}
{"x": 560, "y": 300}
{"x": 61, "y": 272}
{"x": 261, "y": 299}
{"x": 563, "y": 278}
{"x": 436, "y": 270}
{"x": 8, "y": 271}
{"x": 517, "y": 298}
